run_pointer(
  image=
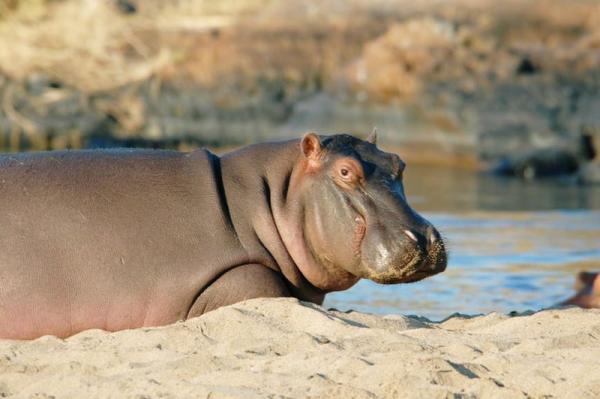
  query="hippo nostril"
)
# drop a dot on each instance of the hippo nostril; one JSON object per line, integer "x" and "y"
{"x": 411, "y": 235}
{"x": 434, "y": 235}
{"x": 432, "y": 238}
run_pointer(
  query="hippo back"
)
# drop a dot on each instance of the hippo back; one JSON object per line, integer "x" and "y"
{"x": 108, "y": 239}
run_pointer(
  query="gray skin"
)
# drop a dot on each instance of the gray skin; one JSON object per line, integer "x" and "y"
{"x": 119, "y": 239}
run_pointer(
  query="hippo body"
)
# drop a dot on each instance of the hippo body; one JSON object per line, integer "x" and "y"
{"x": 118, "y": 239}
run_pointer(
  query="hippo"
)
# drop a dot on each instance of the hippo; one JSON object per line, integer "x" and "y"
{"x": 587, "y": 285}
{"x": 128, "y": 238}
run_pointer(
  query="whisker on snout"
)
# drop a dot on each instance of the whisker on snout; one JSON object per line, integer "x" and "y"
{"x": 443, "y": 239}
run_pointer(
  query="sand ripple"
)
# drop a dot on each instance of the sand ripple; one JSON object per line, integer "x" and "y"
{"x": 283, "y": 348}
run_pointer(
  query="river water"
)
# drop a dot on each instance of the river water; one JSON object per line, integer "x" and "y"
{"x": 514, "y": 245}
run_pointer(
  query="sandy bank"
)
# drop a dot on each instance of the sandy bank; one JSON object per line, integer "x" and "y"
{"x": 283, "y": 348}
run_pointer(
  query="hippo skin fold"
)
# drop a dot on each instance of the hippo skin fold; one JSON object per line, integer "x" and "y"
{"x": 122, "y": 238}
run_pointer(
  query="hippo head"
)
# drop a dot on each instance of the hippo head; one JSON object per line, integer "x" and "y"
{"x": 357, "y": 222}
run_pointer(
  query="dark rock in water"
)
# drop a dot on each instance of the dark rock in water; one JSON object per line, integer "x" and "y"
{"x": 526, "y": 67}
{"x": 563, "y": 157}
{"x": 590, "y": 144}
{"x": 589, "y": 173}
{"x": 539, "y": 163}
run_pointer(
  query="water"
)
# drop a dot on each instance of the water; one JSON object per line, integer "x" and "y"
{"x": 514, "y": 245}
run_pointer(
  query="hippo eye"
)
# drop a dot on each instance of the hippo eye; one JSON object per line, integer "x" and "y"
{"x": 347, "y": 173}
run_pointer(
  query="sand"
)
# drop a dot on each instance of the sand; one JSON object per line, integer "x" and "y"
{"x": 284, "y": 348}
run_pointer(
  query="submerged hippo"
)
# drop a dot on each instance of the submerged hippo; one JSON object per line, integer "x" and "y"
{"x": 587, "y": 285}
{"x": 118, "y": 239}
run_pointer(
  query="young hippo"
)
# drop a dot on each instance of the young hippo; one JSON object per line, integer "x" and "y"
{"x": 118, "y": 239}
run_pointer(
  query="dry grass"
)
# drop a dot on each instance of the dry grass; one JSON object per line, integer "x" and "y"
{"x": 86, "y": 45}
{"x": 478, "y": 45}
{"x": 91, "y": 46}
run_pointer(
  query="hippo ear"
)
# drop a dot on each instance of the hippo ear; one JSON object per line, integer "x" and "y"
{"x": 311, "y": 146}
{"x": 373, "y": 137}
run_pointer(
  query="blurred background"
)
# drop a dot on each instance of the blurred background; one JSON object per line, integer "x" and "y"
{"x": 495, "y": 106}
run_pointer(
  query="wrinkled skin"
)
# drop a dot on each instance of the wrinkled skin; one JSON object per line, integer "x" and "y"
{"x": 119, "y": 239}
{"x": 357, "y": 221}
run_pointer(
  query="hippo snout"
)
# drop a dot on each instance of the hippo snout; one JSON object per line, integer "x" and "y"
{"x": 431, "y": 253}
{"x": 412, "y": 256}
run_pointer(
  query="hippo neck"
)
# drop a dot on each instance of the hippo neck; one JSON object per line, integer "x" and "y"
{"x": 289, "y": 214}
{"x": 257, "y": 179}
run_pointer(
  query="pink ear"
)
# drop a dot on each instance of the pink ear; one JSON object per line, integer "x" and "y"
{"x": 311, "y": 145}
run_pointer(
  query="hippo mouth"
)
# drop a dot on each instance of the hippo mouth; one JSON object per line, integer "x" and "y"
{"x": 387, "y": 278}
{"x": 411, "y": 273}
{"x": 416, "y": 277}
{"x": 412, "y": 268}
{"x": 412, "y": 265}
{"x": 360, "y": 229}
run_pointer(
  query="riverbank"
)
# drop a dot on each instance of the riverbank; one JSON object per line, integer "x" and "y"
{"x": 458, "y": 82}
{"x": 284, "y": 348}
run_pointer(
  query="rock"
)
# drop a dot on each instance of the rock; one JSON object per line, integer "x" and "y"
{"x": 589, "y": 173}
{"x": 538, "y": 163}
